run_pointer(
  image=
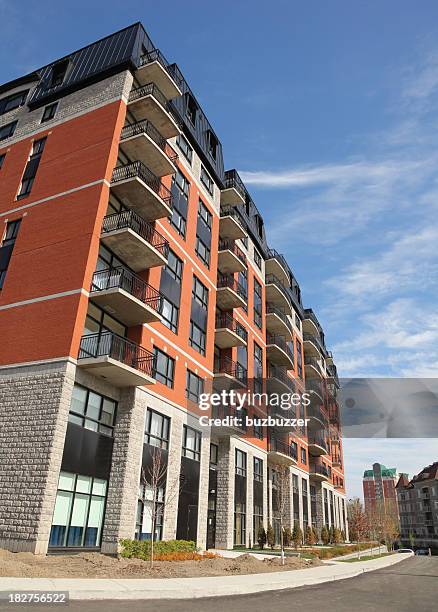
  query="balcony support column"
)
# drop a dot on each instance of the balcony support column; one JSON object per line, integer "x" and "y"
{"x": 319, "y": 508}
{"x": 225, "y": 495}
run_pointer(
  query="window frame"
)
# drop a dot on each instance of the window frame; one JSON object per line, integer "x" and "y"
{"x": 166, "y": 378}
{"x": 49, "y": 112}
{"x": 165, "y": 428}
{"x": 199, "y": 381}
{"x": 192, "y": 453}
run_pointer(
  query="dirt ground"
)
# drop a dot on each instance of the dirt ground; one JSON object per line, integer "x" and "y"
{"x": 95, "y": 565}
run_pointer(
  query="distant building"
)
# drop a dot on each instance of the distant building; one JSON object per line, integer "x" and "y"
{"x": 418, "y": 508}
{"x": 379, "y": 487}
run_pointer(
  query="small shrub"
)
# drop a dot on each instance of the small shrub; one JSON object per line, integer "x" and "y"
{"x": 270, "y": 536}
{"x": 141, "y": 549}
{"x": 310, "y": 536}
{"x": 325, "y": 536}
{"x": 287, "y": 536}
{"x": 261, "y": 537}
{"x": 186, "y": 556}
{"x": 297, "y": 535}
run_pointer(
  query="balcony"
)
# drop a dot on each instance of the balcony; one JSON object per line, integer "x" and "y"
{"x": 313, "y": 367}
{"x": 126, "y": 296}
{"x": 278, "y": 381}
{"x": 154, "y": 68}
{"x": 278, "y": 352}
{"x": 120, "y": 361}
{"x": 149, "y": 102}
{"x": 231, "y": 224}
{"x": 139, "y": 189}
{"x": 230, "y": 258}
{"x": 336, "y": 461}
{"x": 229, "y": 332}
{"x": 280, "y": 452}
{"x": 319, "y": 472}
{"x": 144, "y": 142}
{"x": 276, "y": 265}
{"x": 314, "y": 388}
{"x": 234, "y": 191}
{"x": 329, "y": 358}
{"x": 311, "y": 346}
{"x": 229, "y": 374}
{"x": 317, "y": 445}
{"x": 134, "y": 240}
{"x": 318, "y": 417}
{"x": 276, "y": 293}
{"x": 310, "y": 323}
{"x": 230, "y": 293}
{"x": 230, "y": 427}
{"x": 333, "y": 374}
{"x": 277, "y": 322}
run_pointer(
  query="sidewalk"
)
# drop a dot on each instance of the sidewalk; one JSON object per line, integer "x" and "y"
{"x": 189, "y": 588}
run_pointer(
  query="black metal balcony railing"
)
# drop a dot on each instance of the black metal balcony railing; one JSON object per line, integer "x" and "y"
{"x": 156, "y": 56}
{"x": 232, "y": 211}
{"x": 230, "y": 245}
{"x": 226, "y": 321}
{"x": 309, "y": 314}
{"x": 279, "y": 446}
{"x": 137, "y": 169}
{"x": 280, "y": 341}
{"x": 228, "y": 281}
{"x": 221, "y": 412}
{"x": 280, "y": 373}
{"x": 122, "y": 278}
{"x": 150, "y": 89}
{"x": 320, "y": 468}
{"x": 332, "y": 372}
{"x": 128, "y": 219}
{"x": 271, "y": 309}
{"x": 315, "y": 340}
{"x": 109, "y": 344}
{"x": 225, "y": 365}
{"x": 233, "y": 180}
{"x": 312, "y": 361}
{"x": 273, "y": 254}
{"x": 146, "y": 127}
{"x": 318, "y": 440}
{"x": 315, "y": 387}
{"x": 271, "y": 279}
{"x": 317, "y": 413}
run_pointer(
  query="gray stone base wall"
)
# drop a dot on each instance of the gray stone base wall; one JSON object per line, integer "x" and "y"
{"x": 34, "y": 405}
{"x": 225, "y": 495}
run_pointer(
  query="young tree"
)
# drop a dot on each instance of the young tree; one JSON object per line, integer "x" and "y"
{"x": 270, "y": 536}
{"x": 261, "y": 537}
{"x": 157, "y": 490}
{"x": 315, "y": 534}
{"x": 411, "y": 539}
{"x": 297, "y": 535}
{"x": 332, "y": 534}
{"x": 310, "y": 536}
{"x": 343, "y": 536}
{"x": 358, "y": 521}
{"x": 325, "y": 536}
{"x": 281, "y": 490}
{"x": 336, "y": 536}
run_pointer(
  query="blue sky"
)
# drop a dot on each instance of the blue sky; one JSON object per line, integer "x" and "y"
{"x": 329, "y": 112}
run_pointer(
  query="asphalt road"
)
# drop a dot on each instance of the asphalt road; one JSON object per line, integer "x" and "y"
{"x": 411, "y": 585}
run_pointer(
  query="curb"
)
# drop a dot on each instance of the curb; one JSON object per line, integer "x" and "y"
{"x": 191, "y": 588}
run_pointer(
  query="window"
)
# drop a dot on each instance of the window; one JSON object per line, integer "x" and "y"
{"x": 174, "y": 266}
{"x": 182, "y": 183}
{"x": 6, "y": 131}
{"x": 258, "y": 304}
{"x": 178, "y": 222}
{"x": 7, "y": 246}
{"x": 180, "y": 191}
{"x": 214, "y": 450}
{"x": 143, "y": 522}
{"x": 13, "y": 101}
{"x": 31, "y": 168}
{"x": 185, "y": 148}
{"x": 257, "y": 259}
{"x": 239, "y": 524}
{"x": 212, "y": 144}
{"x": 192, "y": 443}
{"x": 59, "y": 71}
{"x": 206, "y": 180}
{"x": 203, "y": 252}
{"x": 297, "y": 321}
{"x": 303, "y": 456}
{"x": 169, "y": 315}
{"x": 49, "y": 112}
{"x": 2, "y": 159}
{"x": 191, "y": 108}
{"x": 92, "y": 411}
{"x": 258, "y": 520}
{"x": 258, "y": 369}
{"x": 197, "y": 339}
{"x": 204, "y": 214}
{"x": 157, "y": 429}
{"x": 194, "y": 386}
{"x": 258, "y": 430}
{"x": 200, "y": 293}
{"x": 164, "y": 368}
{"x": 240, "y": 463}
{"x": 258, "y": 469}
{"x": 79, "y": 511}
{"x": 242, "y": 279}
{"x": 299, "y": 359}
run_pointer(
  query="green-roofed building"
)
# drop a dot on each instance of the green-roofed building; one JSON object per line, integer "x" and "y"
{"x": 379, "y": 487}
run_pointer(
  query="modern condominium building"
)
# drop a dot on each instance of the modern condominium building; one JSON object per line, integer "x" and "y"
{"x": 418, "y": 507}
{"x": 134, "y": 273}
{"x": 379, "y": 488}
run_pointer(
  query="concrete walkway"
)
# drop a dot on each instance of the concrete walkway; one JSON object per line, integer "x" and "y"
{"x": 188, "y": 588}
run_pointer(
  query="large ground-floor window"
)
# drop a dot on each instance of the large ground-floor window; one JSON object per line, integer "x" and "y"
{"x": 79, "y": 511}
{"x": 146, "y": 511}
{"x": 239, "y": 524}
{"x": 258, "y": 521}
